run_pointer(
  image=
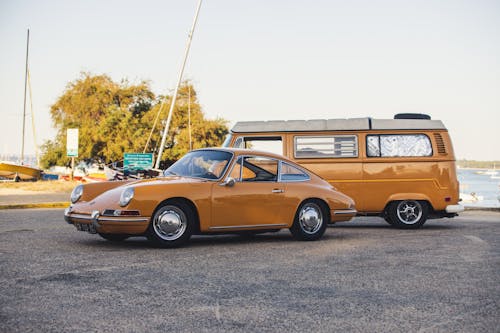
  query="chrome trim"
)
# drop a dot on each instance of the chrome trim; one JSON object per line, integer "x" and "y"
{"x": 247, "y": 226}
{"x": 278, "y": 190}
{"x": 345, "y": 212}
{"x": 104, "y": 219}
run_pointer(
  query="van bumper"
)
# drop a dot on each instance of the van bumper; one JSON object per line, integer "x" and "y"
{"x": 454, "y": 209}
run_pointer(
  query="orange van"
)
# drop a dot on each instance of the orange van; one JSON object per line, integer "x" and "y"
{"x": 401, "y": 169}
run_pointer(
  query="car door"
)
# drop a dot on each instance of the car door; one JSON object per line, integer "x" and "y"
{"x": 255, "y": 199}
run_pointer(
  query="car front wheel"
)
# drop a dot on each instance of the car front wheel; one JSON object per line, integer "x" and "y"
{"x": 310, "y": 221}
{"x": 408, "y": 214}
{"x": 171, "y": 225}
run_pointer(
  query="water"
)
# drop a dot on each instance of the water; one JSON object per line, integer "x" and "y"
{"x": 481, "y": 185}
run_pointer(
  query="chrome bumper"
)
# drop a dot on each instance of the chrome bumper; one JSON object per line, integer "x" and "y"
{"x": 96, "y": 219}
{"x": 453, "y": 209}
{"x": 341, "y": 212}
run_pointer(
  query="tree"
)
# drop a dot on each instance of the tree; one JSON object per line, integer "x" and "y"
{"x": 114, "y": 118}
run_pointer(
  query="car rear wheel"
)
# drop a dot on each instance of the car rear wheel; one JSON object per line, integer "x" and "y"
{"x": 114, "y": 237}
{"x": 408, "y": 214}
{"x": 310, "y": 221}
{"x": 171, "y": 225}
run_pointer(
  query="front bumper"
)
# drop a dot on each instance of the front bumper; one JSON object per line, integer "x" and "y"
{"x": 97, "y": 222}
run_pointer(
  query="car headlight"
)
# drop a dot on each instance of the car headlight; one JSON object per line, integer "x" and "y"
{"x": 126, "y": 196}
{"x": 76, "y": 194}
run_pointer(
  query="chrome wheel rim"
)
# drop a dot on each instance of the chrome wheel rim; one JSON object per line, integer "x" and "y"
{"x": 409, "y": 212}
{"x": 170, "y": 224}
{"x": 310, "y": 218}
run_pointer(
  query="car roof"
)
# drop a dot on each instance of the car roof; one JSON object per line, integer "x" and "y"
{"x": 242, "y": 151}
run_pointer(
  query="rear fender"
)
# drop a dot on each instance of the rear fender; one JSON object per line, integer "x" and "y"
{"x": 408, "y": 196}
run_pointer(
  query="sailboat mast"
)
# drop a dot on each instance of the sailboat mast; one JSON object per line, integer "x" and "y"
{"x": 25, "y": 87}
{"x": 174, "y": 97}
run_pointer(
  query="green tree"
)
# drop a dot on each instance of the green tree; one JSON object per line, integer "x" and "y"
{"x": 114, "y": 118}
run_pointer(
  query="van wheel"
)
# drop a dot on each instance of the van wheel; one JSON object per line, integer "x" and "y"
{"x": 171, "y": 225}
{"x": 310, "y": 221}
{"x": 408, "y": 214}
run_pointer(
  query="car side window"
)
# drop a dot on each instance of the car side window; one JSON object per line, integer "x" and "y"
{"x": 289, "y": 173}
{"x": 259, "y": 169}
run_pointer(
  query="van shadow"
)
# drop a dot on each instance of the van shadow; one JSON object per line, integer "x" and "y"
{"x": 379, "y": 223}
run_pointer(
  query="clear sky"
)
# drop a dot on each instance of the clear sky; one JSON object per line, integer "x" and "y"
{"x": 267, "y": 60}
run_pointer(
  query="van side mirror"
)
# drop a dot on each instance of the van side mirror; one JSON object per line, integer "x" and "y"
{"x": 229, "y": 182}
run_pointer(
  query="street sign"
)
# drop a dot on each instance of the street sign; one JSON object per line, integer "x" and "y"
{"x": 137, "y": 161}
{"x": 72, "y": 142}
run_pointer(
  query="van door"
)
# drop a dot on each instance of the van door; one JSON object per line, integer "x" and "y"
{"x": 335, "y": 158}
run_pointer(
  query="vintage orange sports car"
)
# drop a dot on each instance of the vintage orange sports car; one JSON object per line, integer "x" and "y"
{"x": 212, "y": 191}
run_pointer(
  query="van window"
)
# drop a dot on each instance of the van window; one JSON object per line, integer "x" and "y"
{"x": 272, "y": 144}
{"x": 408, "y": 145}
{"x": 336, "y": 146}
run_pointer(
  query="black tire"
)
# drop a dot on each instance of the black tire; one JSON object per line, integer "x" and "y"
{"x": 408, "y": 214}
{"x": 172, "y": 224}
{"x": 17, "y": 179}
{"x": 310, "y": 221}
{"x": 114, "y": 237}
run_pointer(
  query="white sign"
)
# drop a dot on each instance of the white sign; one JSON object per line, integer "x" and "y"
{"x": 72, "y": 142}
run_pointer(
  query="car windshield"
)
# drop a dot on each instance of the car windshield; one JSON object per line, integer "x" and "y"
{"x": 208, "y": 164}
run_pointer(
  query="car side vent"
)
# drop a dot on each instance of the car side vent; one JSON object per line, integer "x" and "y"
{"x": 441, "y": 147}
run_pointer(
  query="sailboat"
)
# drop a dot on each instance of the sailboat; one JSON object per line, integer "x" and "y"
{"x": 20, "y": 171}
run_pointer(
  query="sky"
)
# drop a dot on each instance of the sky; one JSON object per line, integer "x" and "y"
{"x": 266, "y": 60}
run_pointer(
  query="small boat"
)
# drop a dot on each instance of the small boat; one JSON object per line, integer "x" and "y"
{"x": 471, "y": 198}
{"x": 490, "y": 172}
{"x": 19, "y": 172}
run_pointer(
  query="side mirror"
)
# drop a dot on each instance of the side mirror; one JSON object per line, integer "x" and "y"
{"x": 229, "y": 182}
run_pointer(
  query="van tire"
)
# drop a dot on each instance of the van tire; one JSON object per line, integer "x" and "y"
{"x": 407, "y": 214}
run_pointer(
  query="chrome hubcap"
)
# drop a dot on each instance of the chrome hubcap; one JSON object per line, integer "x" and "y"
{"x": 409, "y": 212}
{"x": 170, "y": 224}
{"x": 310, "y": 218}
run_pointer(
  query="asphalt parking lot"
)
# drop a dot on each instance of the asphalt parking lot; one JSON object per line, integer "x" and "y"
{"x": 362, "y": 276}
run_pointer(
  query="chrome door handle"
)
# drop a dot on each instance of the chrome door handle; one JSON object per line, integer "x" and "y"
{"x": 277, "y": 190}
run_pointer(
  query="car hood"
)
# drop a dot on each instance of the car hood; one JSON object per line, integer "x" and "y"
{"x": 165, "y": 180}
{"x": 110, "y": 198}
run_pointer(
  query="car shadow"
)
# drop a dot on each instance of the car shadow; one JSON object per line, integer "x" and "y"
{"x": 210, "y": 240}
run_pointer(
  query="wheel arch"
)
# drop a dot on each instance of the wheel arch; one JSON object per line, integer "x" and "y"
{"x": 408, "y": 196}
{"x": 183, "y": 200}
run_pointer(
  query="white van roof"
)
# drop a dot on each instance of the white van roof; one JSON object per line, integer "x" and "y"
{"x": 351, "y": 124}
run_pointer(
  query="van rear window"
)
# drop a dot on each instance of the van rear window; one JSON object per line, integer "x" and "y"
{"x": 405, "y": 145}
{"x": 333, "y": 146}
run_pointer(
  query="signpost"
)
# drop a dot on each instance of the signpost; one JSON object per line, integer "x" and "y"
{"x": 72, "y": 147}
